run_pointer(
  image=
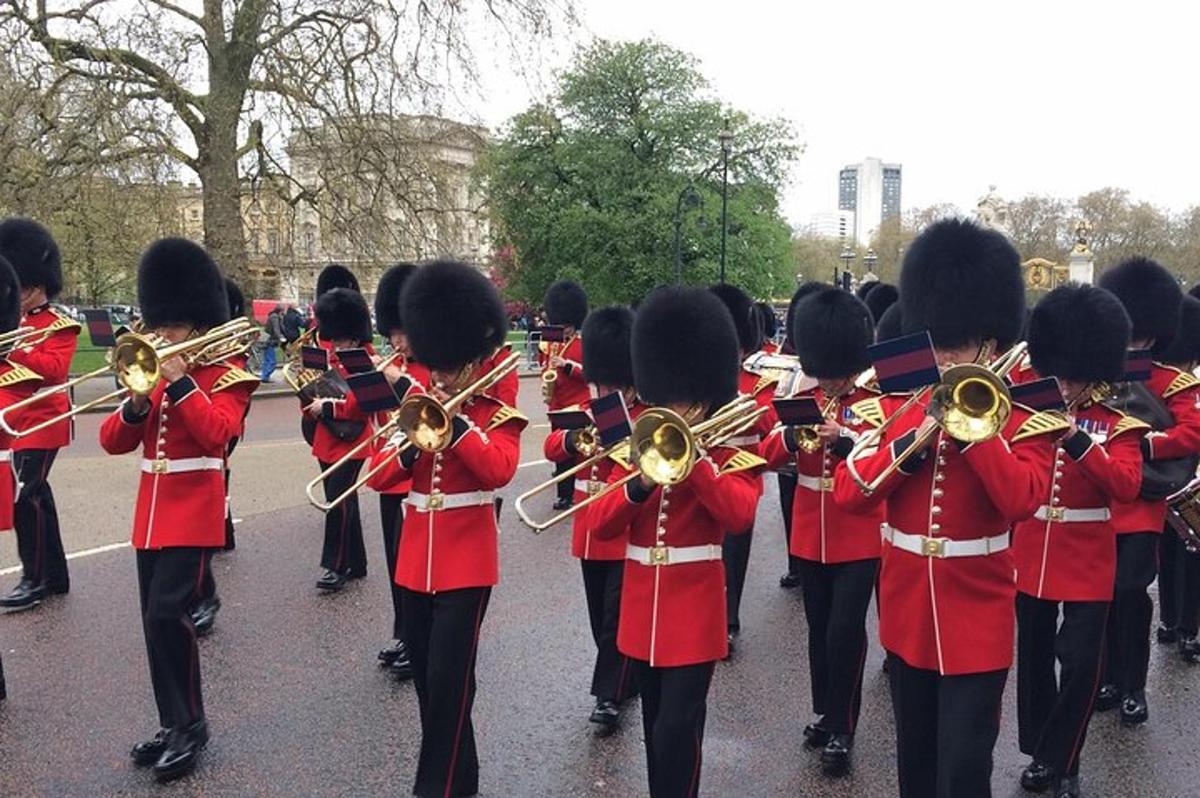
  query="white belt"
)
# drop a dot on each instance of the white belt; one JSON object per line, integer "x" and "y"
{"x": 449, "y": 501}
{"x": 1068, "y": 515}
{"x": 181, "y": 465}
{"x": 819, "y": 484}
{"x": 5, "y": 455}
{"x": 589, "y": 486}
{"x": 943, "y": 547}
{"x": 672, "y": 555}
{"x": 744, "y": 440}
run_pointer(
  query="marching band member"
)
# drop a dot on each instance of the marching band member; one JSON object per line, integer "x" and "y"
{"x": 888, "y": 325}
{"x": 672, "y": 616}
{"x": 737, "y": 543}
{"x": 1066, "y": 555}
{"x": 183, "y": 426}
{"x": 1152, "y": 298}
{"x": 343, "y": 322}
{"x": 880, "y": 298}
{"x": 838, "y": 550}
{"x": 448, "y": 554}
{"x": 947, "y": 587}
{"x": 33, "y": 253}
{"x": 566, "y": 306}
{"x": 769, "y": 324}
{"x": 608, "y": 365}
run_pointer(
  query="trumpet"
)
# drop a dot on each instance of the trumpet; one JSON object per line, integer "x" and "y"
{"x": 395, "y": 449}
{"x": 136, "y": 361}
{"x": 970, "y": 403}
{"x": 429, "y": 425}
{"x": 664, "y": 447}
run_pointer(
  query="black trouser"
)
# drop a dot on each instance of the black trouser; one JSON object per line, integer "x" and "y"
{"x": 1178, "y": 584}
{"x": 169, "y": 584}
{"x": 344, "y": 550}
{"x": 836, "y": 598}
{"x": 208, "y": 590}
{"x": 674, "y": 704}
{"x": 391, "y": 513}
{"x": 39, "y": 542}
{"x": 946, "y": 728}
{"x": 612, "y": 674}
{"x": 441, "y": 631}
{"x": 735, "y": 551}
{"x": 787, "y": 495}
{"x": 1128, "y": 649}
{"x": 1053, "y": 714}
{"x": 566, "y": 487}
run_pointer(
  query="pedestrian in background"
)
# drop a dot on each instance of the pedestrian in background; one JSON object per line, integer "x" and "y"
{"x": 274, "y": 332}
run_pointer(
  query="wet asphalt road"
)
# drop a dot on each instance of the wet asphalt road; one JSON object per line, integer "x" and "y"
{"x": 297, "y": 706}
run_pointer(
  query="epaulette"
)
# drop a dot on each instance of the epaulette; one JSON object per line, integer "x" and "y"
{"x": 17, "y": 374}
{"x": 233, "y": 376}
{"x": 1183, "y": 380}
{"x": 1040, "y": 423}
{"x": 504, "y": 415}
{"x": 870, "y": 411}
{"x": 742, "y": 461}
{"x": 620, "y": 456}
{"x": 764, "y": 382}
{"x": 62, "y": 322}
{"x": 1128, "y": 423}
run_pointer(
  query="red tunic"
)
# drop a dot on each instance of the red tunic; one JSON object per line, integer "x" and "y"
{"x": 570, "y": 388}
{"x": 16, "y": 383}
{"x": 326, "y": 446}
{"x": 505, "y": 390}
{"x": 420, "y": 377}
{"x": 1180, "y": 392}
{"x": 674, "y": 614}
{"x": 52, "y": 360}
{"x": 1064, "y": 560}
{"x": 822, "y": 531}
{"x": 188, "y": 428}
{"x": 953, "y": 615}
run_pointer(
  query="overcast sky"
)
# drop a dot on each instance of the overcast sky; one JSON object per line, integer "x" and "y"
{"x": 1054, "y": 97}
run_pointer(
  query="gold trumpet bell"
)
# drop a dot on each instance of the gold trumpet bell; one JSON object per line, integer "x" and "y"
{"x": 425, "y": 422}
{"x": 136, "y": 363}
{"x": 662, "y": 446}
{"x": 971, "y": 403}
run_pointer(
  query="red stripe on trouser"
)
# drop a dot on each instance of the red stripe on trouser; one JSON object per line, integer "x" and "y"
{"x": 1095, "y": 688}
{"x": 193, "y": 692}
{"x": 39, "y": 526}
{"x": 856, "y": 695}
{"x": 694, "y": 788}
{"x": 462, "y": 707}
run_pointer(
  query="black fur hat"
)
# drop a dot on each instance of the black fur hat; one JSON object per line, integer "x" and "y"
{"x": 178, "y": 283}
{"x": 336, "y": 276}
{"x": 452, "y": 315}
{"x": 10, "y": 297}
{"x": 387, "y": 298}
{"x": 745, "y": 317}
{"x": 803, "y": 290}
{"x": 865, "y": 288}
{"x": 1185, "y": 348}
{"x": 685, "y": 348}
{"x": 1079, "y": 332}
{"x": 237, "y": 300}
{"x": 962, "y": 282}
{"x": 1194, "y": 291}
{"x": 890, "y": 324}
{"x": 30, "y": 250}
{"x": 882, "y": 297}
{"x": 566, "y": 303}
{"x": 342, "y": 314}
{"x": 832, "y": 330}
{"x": 768, "y": 322}
{"x": 606, "y": 356}
{"x": 1151, "y": 296}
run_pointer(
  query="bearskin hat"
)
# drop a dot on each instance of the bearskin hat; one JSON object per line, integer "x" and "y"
{"x": 566, "y": 304}
{"x": 1151, "y": 296}
{"x": 1194, "y": 291}
{"x": 882, "y": 297}
{"x": 10, "y": 297}
{"x": 832, "y": 329}
{"x": 1079, "y": 332}
{"x": 387, "y": 298}
{"x": 865, "y": 288}
{"x": 336, "y": 276}
{"x": 1185, "y": 348}
{"x": 30, "y": 250}
{"x": 606, "y": 356}
{"x": 745, "y": 317}
{"x": 178, "y": 283}
{"x": 685, "y": 348}
{"x": 962, "y": 282}
{"x": 768, "y": 322}
{"x": 237, "y": 300}
{"x": 452, "y": 315}
{"x": 342, "y": 314}
{"x": 803, "y": 290}
{"x": 890, "y": 324}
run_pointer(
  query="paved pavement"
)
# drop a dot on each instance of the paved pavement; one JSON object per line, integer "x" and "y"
{"x": 298, "y": 707}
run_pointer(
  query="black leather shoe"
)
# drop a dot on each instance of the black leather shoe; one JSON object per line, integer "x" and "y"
{"x": 204, "y": 615}
{"x": 1037, "y": 777}
{"x": 146, "y": 753}
{"x": 1134, "y": 711}
{"x": 606, "y": 716}
{"x": 1189, "y": 649}
{"x": 731, "y": 639}
{"x": 331, "y": 581}
{"x": 816, "y": 736}
{"x": 835, "y": 756}
{"x": 183, "y": 747}
{"x": 789, "y": 581}
{"x": 1165, "y": 636}
{"x": 562, "y": 504}
{"x": 356, "y": 573}
{"x": 1107, "y": 698}
{"x": 60, "y": 589}
{"x": 401, "y": 667}
{"x": 1068, "y": 787}
{"x": 24, "y": 596}
{"x": 393, "y": 652}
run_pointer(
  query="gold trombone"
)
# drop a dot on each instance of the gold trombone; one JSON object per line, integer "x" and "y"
{"x": 395, "y": 449}
{"x": 663, "y": 446}
{"x": 970, "y": 403}
{"x": 22, "y": 337}
{"x": 429, "y": 424}
{"x": 136, "y": 362}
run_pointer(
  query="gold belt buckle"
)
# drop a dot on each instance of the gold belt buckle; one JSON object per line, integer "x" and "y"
{"x": 826, "y": 484}
{"x": 436, "y": 500}
{"x": 594, "y": 487}
{"x": 658, "y": 555}
{"x": 159, "y": 466}
{"x": 1057, "y": 514}
{"x": 933, "y": 547}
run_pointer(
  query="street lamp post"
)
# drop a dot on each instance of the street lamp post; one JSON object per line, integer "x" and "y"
{"x": 847, "y": 257}
{"x": 726, "y": 138}
{"x": 869, "y": 260}
{"x": 691, "y": 199}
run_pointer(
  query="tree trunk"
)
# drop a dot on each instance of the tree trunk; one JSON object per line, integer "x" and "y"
{"x": 221, "y": 193}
